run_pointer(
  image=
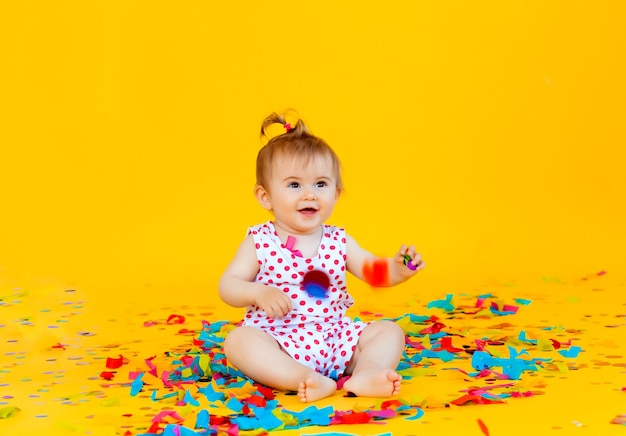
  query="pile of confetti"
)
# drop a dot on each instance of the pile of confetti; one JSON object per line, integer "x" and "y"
{"x": 200, "y": 382}
{"x": 187, "y": 387}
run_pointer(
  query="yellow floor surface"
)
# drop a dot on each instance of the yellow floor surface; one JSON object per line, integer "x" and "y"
{"x": 57, "y": 342}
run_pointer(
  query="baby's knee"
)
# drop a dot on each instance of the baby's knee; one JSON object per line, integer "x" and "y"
{"x": 233, "y": 340}
{"x": 391, "y": 330}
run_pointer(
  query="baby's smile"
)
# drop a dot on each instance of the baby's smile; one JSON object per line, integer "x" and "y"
{"x": 308, "y": 211}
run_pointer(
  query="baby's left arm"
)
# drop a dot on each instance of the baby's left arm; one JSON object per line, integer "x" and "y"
{"x": 382, "y": 271}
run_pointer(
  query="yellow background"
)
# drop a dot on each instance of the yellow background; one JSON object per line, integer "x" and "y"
{"x": 489, "y": 134}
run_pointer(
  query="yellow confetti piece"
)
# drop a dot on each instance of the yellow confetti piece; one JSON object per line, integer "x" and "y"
{"x": 562, "y": 366}
{"x": 544, "y": 344}
{"x": 110, "y": 402}
{"x": 204, "y": 362}
{"x": 8, "y": 412}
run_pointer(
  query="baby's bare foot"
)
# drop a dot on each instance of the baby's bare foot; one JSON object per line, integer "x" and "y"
{"x": 315, "y": 387}
{"x": 374, "y": 383}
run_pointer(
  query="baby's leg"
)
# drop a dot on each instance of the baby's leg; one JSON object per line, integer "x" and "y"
{"x": 258, "y": 355}
{"x": 375, "y": 359}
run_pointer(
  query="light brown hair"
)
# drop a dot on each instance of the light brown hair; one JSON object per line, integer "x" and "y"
{"x": 297, "y": 141}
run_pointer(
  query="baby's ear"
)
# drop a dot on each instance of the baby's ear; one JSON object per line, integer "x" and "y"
{"x": 263, "y": 197}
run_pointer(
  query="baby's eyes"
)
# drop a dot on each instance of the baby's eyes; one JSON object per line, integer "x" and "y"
{"x": 296, "y": 185}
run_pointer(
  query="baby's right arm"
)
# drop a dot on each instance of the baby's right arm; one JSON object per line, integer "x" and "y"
{"x": 238, "y": 288}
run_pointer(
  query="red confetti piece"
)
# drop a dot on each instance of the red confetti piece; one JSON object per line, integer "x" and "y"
{"x": 351, "y": 417}
{"x": 59, "y": 345}
{"x": 376, "y": 273}
{"x": 435, "y": 328}
{"x": 483, "y": 427}
{"x": 187, "y": 360}
{"x": 186, "y": 332}
{"x": 256, "y": 400}
{"x": 154, "y": 428}
{"x": 446, "y": 344}
{"x": 391, "y": 404}
{"x": 175, "y": 319}
{"x": 473, "y": 399}
{"x": 115, "y": 363}
{"x": 107, "y": 375}
{"x": 267, "y": 393}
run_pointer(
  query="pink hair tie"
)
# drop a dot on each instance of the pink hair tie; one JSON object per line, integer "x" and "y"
{"x": 287, "y": 127}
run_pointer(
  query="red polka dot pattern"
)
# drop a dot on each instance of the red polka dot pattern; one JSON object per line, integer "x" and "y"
{"x": 325, "y": 337}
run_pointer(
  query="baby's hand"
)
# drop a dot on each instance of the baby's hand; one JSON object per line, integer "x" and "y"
{"x": 274, "y": 302}
{"x": 410, "y": 260}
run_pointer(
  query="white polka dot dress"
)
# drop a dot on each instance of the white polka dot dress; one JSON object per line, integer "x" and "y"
{"x": 317, "y": 332}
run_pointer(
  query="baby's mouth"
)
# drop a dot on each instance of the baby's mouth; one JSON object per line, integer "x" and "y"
{"x": 308, "y": 211}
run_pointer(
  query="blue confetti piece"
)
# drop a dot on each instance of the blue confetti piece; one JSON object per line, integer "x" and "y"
{"x": 523, "y": 301}
{"x": 189, "y": 399}
{"x": 444, "y": 355}
{"x": 313, "y": 416}
{"x": 203, "y": 419}
{"x": 179, "y": 430}
{"x": 418, "y": 319}
{"x": 572, "y": 353}
{"x": 522, "y": 337}
{"x": 235, "y": 405}
{"x": 442, "y": 304}
{"x": 417, "y": 416}
{"x": 262, "y": 418}
{"x": 136, "y": 385}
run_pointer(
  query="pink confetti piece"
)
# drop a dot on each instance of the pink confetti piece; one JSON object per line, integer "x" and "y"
{"x": 167, "y": 415}
{"x": 152, "y": 366}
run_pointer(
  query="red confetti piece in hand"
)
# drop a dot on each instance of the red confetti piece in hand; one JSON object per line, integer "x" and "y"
{"x": 376, "y": 273}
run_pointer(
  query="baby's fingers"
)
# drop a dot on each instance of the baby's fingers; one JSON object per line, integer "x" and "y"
{"x": 281, "y": 307}
{"x": 417, "y": 262}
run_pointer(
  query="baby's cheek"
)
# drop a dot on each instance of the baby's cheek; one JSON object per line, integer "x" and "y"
{"x": 376, "y": 272}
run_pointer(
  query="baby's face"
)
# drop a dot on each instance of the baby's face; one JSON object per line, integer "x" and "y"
{"x": 302, "y": 194}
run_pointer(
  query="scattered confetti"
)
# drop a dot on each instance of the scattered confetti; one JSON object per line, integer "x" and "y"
{"x": 187, "y": 387}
